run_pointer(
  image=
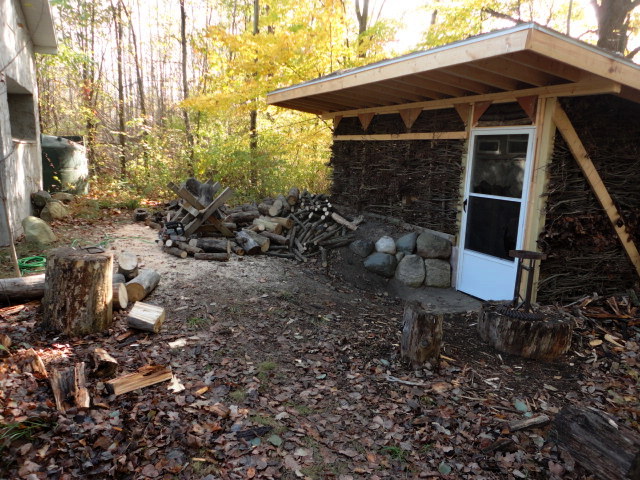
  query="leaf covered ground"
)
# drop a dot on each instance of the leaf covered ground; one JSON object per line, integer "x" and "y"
{"x": 285, "y": 371}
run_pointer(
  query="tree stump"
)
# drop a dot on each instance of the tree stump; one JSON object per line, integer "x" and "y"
{"x": 541, "y": 339}
{"x": 610, "y": 451}
{"x": 421, "y": 336}
{"x": 78, "y": 292}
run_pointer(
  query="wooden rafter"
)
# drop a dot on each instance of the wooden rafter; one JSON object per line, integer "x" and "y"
{"x": 422, "y": 92}
{"x": 483, "y": 76}
{"x": 400, "y": 92}
{"x": 466, "y": 84}
{"x": 581, "y": 156}
{"x": 431, "y": 85}
{"x": 549, "y": 65}
{"x": 516, "y": 71}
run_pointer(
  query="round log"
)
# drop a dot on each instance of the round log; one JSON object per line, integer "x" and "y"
{"x": 16, "y": 290}
{"x": 544, "y": 339}
{"x": 77, "y": 292}
{"x": 120, "y": 296}
{"x": 421, "y": 336}
{"x": 128, "y": 264}
{"x": 143, "y": 284}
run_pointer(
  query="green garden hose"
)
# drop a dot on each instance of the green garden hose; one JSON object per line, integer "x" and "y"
{"x": 32, "y": 264}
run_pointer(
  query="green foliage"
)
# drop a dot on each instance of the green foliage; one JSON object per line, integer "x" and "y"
{"x": 198, "y": 323}
{"x": 395, "y": 452}
{"x": 11, "y": 432}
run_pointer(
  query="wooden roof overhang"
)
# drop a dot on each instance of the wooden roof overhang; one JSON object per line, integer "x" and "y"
{"x": 502, "y": 66}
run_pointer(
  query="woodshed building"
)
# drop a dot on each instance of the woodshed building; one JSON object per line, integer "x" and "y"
{"x": 518, "y": 139}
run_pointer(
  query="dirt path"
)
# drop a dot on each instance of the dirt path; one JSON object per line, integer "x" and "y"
{"x": 304, "y": 368}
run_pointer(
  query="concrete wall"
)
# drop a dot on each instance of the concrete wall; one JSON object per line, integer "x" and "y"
{"x": 20, "y": 158}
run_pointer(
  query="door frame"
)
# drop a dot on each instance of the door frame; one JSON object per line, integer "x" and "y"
{"x": 522, "y": 222}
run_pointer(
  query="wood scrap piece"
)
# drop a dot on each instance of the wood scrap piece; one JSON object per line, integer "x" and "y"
{"x": 216, "y": 257}
{"x": 69, "y": 387}
{"x": 120, "y": 296}
{"x": 144, "y": 377}
{"x": 276, "y": 209}
{"x": 264, "y": 224}
{"x": 175, "y": 251}
{"x": 104, "y": 365}
{"x": 261, "y": 240}
{"x": 248, "y": 244}
{"x": 15, "y": 290}
{"x": 210, "y": 244}
{"x": 128, "y": 264}
{"x": 343, "y": 221}
{"x": 188, "y": 248}
{"x": 143, "y": 284}
{"x": 285, "y": 222}
{"x": 146, "y": 317}
{"x": 609, "y": 450}
{"x": 529, "y": 423}
{"x": 31, "y": 362}
{"x": 5, "y": 340}
{"x": 274, "y": 237}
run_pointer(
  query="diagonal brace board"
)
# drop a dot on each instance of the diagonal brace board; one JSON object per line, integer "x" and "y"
{"x": 206, "y": 213}
{"x": 581, "y": 156}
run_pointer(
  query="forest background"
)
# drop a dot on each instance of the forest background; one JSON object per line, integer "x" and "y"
{"x": 164, "y": 89}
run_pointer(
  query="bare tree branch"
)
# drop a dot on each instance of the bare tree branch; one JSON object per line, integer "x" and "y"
{"x": 501, "y": 15}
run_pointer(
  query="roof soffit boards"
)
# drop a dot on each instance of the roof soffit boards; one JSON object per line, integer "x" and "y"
{"x": 500, "y": 66}
{"x": 37, "y": 15}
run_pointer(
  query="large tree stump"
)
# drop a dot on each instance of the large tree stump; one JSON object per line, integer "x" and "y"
{"x": 421, "y": 336}
{"x": 609, "y": 450}
{"x": 78, "y": 292}
{"x": 544, "y": 339}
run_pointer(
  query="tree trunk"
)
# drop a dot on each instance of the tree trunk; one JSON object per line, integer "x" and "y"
{"x": 16, "y": 290}
{"x": 78, "y": 292}
{"x": 613, "y": 23}
{"x": 185, "y": 86}
{"x": 608, "y": 450}
{"x": 544, "y": 339}
{"x": 117, "y": 23}
{"x": 421, "y": 336}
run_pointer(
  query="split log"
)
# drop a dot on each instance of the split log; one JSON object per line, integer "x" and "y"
{"x": 293, "y": 196}
{"x": 120, "y": 297}
{"x": 263, "y": 208}
{"x": 143, "y": 284}
{"x": 265, "y": 224}
{"x": 128, "y": 265}
{"x": 20, "y": 289}
{"x": 188, "y": 248}
{"x": 285, "y": 222}
{"x": 609, "y": 450}
{"x": 175, "y": 251}
{"x": 343, "y": 221}
{"x": 248, "y": 244}
{"x": 218, "y": 257}
{"x": 261, "y": 240}
{"x": 544, "y": 339}
{"x": 243, "y": 217}
{"x": 286, "y": 208}
{"x": 104, "y": 365}
{"x": 78, "y": 292}
{"x": 529, "y": 423}
{"x": 210, "y": 245}
{"x": 421, "y": 336}
{"x": 70, "y": 387}
{"x": 237, "y": 250}
{"x": 274, "y": 237}
{"x": 144, "y": 377}
{"x": 146, "y": 317}
{"x": 276, "y": 209}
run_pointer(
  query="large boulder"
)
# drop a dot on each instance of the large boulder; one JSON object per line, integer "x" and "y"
{"x": 410, "y": 271}
{"x": 54, "y": 210}
{"x": 381, "y": 263}
{"x": 36, "y": 230}
{"x": 437, "y": 273}
{"x": 386, "y": 244}
{"x": 429, "y": 245}
{"x": 407, "y": 243}
{"x": 40, "y": 198}
{"x": 362, "y": 248}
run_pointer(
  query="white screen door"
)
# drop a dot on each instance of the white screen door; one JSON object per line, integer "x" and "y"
{"x": 494, "y": 211}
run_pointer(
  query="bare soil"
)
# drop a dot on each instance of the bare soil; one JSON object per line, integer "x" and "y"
{"x": 307, "y": 362}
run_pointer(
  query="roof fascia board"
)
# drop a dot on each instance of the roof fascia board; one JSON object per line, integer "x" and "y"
{"x": 476, "y": 48}
{"x": 37, "y": 15}
{"x": 584, "y": 56}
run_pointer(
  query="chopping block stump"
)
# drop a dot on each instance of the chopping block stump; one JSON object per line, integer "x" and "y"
{"x": 77, "y": 292}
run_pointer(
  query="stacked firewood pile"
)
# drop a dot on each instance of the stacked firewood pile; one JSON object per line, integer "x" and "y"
{"x": 295, "y": 226}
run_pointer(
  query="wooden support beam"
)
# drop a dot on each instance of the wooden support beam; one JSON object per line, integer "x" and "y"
{"x": 336, "y": 121}
{"x": 382, "y": 137}
{"x": 529, "y": 105}
{"x": 365, "y": 119}
{"x": 581, "y": 156}
{"x": 564, "y": 90}
{"x": 409, "y": 116}
{"x": 478, "y": 110}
